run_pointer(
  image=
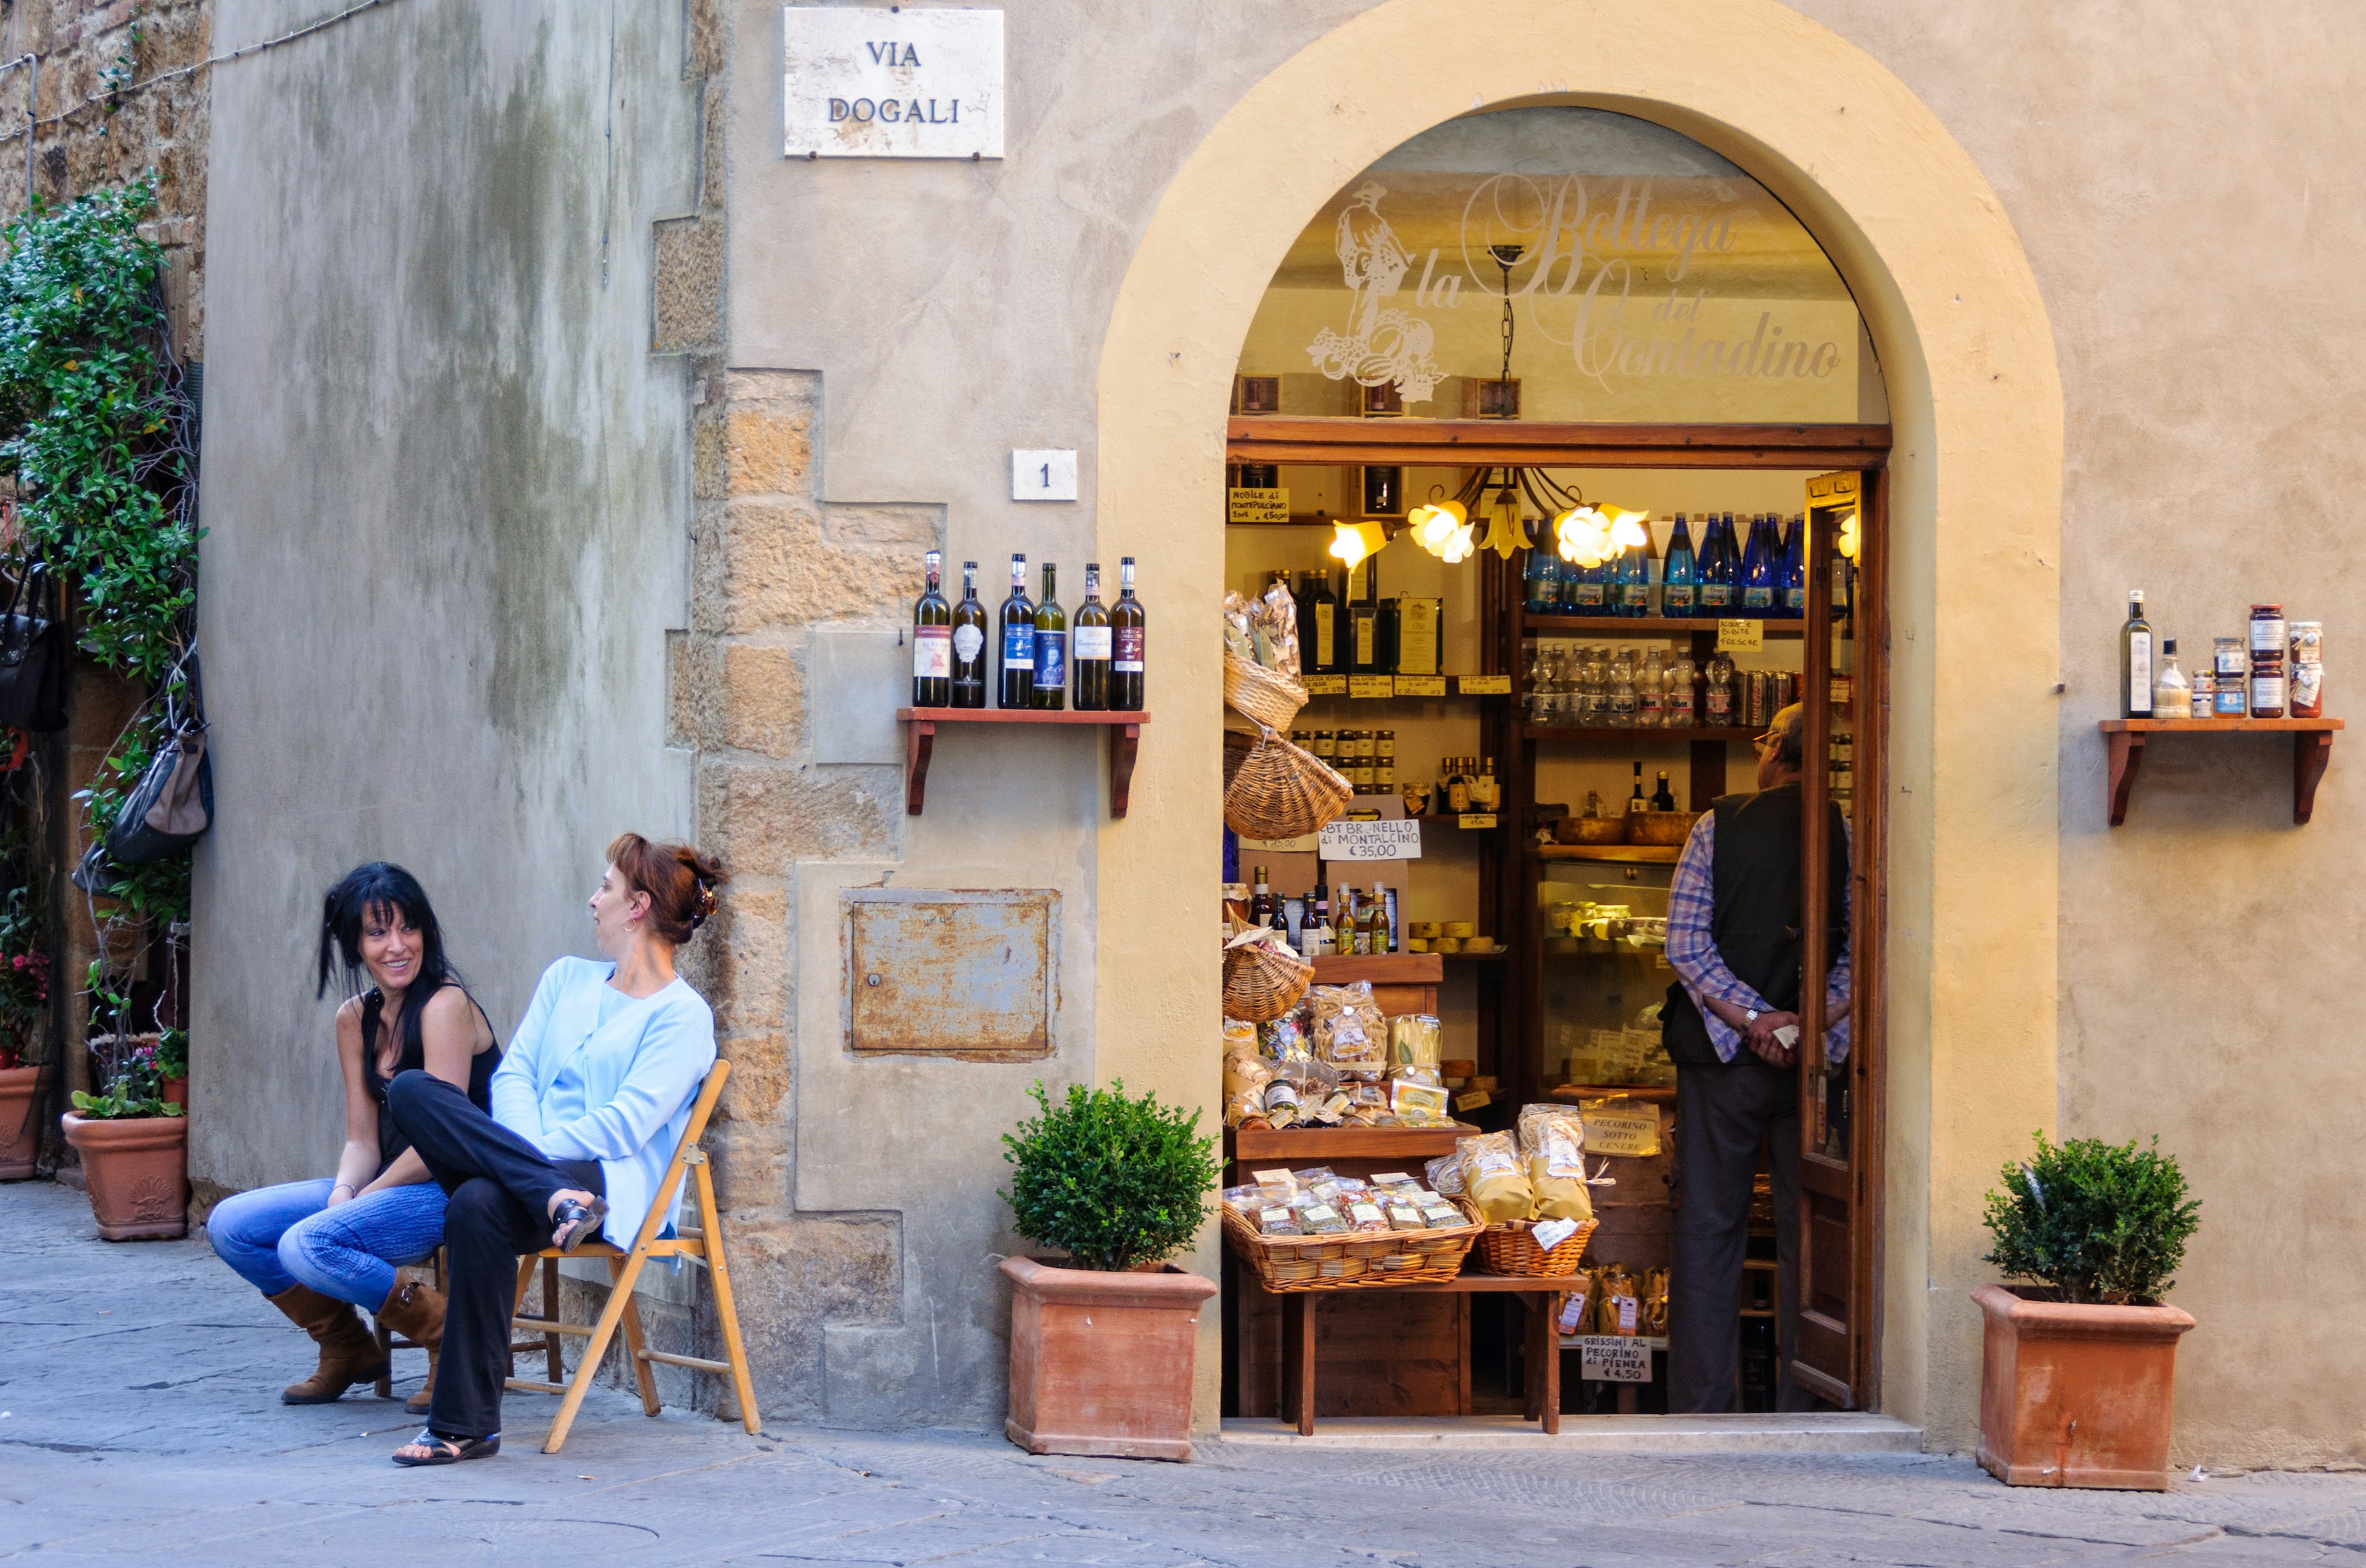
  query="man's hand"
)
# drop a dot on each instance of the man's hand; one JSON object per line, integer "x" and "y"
{"x": 1760, "y": 1038}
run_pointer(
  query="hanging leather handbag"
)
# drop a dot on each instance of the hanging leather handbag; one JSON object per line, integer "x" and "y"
{"x": 33, "y": 653}
{"x": 173, "y": 804}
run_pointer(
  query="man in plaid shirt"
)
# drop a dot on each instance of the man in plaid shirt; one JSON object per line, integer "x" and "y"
{"x": 1734, "y": 943}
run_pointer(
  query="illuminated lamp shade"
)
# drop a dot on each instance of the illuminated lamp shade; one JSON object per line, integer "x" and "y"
{"x": 1351, "y": 542}
{"x": 1434, "y": 526}
{"x": 1457, "y": 549}
{"x": 1584, "y": 536}
{"x": 1848, "y": 540}
{"x": 1627, "y": 530}
{"x": 1505, "y": 530}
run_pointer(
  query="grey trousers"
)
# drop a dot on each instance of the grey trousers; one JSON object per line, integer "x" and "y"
{"x": 1721, "y": 1115}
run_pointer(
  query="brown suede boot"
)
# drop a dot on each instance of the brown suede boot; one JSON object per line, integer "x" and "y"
{"x": 349, "y": 1353}
{"x": 415, "y": 1311}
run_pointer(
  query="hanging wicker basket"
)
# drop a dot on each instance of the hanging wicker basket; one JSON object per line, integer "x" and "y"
{"x": 1265, "y": 695}
{"x": 1263, "y": 978}
{"x": 1276, "y": 790}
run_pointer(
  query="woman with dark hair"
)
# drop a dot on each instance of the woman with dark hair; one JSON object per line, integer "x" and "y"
{"x": 320, "y": 1248}
{"x": 586, "y": 1111}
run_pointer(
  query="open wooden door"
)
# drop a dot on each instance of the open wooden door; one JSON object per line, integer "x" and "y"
{"x": 1845, "y": 695}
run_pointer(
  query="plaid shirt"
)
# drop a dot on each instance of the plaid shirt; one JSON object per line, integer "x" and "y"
{"x": 1692, "y": 898}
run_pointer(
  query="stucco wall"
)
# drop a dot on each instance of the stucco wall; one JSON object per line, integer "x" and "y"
{"x": 444, "y": 484}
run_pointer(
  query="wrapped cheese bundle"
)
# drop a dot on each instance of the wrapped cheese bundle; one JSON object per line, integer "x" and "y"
{"x": 1554, "y": 1141}
{"x": 1494, "y": 1180}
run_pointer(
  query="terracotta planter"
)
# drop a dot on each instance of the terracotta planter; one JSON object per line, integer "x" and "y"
{"x": 177, "y": 1091}
{"x": 20, "y": 1135}
{"x": 138, "y": 1170}
{"x": 2076, "y": 1395}
{"x": 1101, "y": 1363}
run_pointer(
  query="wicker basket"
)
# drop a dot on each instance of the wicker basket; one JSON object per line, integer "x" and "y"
{"x": 1285, "y": 1263}
{"x": 1263, "y": 980}
{"x": 1509, "y": 1247}
{"x": 1280, "y": 791}
{"x": 1265, "y": 695}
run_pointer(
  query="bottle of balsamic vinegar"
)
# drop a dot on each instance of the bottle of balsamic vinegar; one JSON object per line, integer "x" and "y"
{"x": 1017, "y": 641}
{"x": 1093, "y": 644}
{"x": 932, "y": 640}
{"x": 1051, "y": 647}
{"x": 1126, "y": 629}
{"x": 969, "y": 644}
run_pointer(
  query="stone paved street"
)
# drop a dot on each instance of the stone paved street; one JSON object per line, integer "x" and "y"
{"x": 140, "y": 1422}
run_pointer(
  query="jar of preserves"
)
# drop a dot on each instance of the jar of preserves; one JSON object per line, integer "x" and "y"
{"x": 2307, "y": 697}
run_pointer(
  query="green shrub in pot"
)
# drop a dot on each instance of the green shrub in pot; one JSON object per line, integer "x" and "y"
{"x": 2101, "y": 1224}
{"x": 1113, "y": 1181}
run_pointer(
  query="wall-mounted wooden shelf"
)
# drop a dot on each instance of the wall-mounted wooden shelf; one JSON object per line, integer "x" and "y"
{"x": 2312, "y": 747}
{"x": 1728, "y": 732}
{"x": 1613, "y": 854}
{"x": 920, "y": 741}
{"x": 1652, "y": 625}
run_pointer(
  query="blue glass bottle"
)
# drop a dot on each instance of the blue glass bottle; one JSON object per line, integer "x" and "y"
{"x": 1718, "y": 569}
{"x": 1543, "y": 582}
{"x": 1795, "y": 568}
{"x": 1630, "y": 580}
{"x": 1679, "y": 574}
{"x": 1761, "y": 569}
{"x": 1585, "y": 589}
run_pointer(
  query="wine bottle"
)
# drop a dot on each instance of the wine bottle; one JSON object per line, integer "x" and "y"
{"x": 1318, "y": 919}
{"x": 1050, "y": 691}
{"x": 969, "y": 644}
{"x": 2135, "y": 660}
{"x": 1795, "y": 568}
{"x": 1758, "y": 569}
{"x": 1717, "y": 568}
{"x": 1018, "y": 640}
{"x": 1126, "y": 629}
{"x": 1364, "y": 623}
{"x": 1261, "y": 900}
{"x": 1093, "y": 644}
{"x": 1636, "y": 802}
{"x": 1680, "y": 575}
{"x": 1664, "y": 798}
{"x": 932, "y": 640}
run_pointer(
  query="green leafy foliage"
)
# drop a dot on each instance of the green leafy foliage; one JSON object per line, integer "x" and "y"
{"x": 1112, "y": 1181}
{"x": 2099, "y": 1223}
{"x": 122, "y": 1099}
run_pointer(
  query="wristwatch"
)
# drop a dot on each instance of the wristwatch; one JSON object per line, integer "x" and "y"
{"x": 1750, "y": 1017}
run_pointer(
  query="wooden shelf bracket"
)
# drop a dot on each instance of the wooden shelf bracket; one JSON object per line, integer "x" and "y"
{"x": 2312, "y": 741}
{"x": 921, "y": 743}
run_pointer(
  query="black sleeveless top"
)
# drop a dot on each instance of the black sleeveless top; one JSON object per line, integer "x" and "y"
{"x": 390, "y": 1141}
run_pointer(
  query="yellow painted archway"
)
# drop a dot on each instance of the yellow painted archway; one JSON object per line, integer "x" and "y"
{"x": 1975, "y": 406}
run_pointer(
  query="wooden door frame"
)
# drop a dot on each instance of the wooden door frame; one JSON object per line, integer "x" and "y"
{"x": 1275, "y": 438}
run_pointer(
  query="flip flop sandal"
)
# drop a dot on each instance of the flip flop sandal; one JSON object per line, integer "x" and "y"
{"x": 450, "y": 1451}
{"x": 577, "y": 1223}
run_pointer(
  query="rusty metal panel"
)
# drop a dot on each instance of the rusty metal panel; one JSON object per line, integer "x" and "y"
{"x": 972, "y": 976}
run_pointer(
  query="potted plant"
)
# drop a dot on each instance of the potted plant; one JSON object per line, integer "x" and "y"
{"x": 134, "y": 1144}
{"x": 23, "y": 1010}
{"x": 1103, "y": 1340}
{"x": 2077, "y": 1371}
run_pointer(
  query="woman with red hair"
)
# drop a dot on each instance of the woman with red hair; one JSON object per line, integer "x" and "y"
{"x": 587, "y": 1108}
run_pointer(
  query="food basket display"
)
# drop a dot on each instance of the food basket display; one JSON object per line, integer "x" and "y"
{"x": 1265, "y": 695}
{"x": 1510, "y": 1247}
{"x": 1276, "y": 790}
{"x": 1263, "y": 978}
{"x": 1286, "y": 1263}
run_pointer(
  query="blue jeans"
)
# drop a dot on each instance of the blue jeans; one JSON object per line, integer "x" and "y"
{"x": 275, "y": 1237}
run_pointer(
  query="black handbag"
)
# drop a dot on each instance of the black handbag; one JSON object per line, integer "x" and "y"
{"x": 173, "y": 804}
{"x": 33, "y": 655}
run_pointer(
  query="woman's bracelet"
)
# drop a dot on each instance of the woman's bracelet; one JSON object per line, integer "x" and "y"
{"x": 348, "y": 1187}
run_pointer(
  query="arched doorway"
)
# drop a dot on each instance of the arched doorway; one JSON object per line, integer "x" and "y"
{"x": 1975, "y": 406}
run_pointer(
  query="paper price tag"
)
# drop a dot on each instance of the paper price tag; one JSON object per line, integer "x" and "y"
{"x": 1371, "y": 685}
{"x": 1421, "y": 685}
{"x": 1612, "y": 1357}
{"x": 1394, "y": 838}
{"x": 1485, "y": 686}
{"x": 1324, "y": 685}
{"x": 1304, "y": 844}
{"x": 1257, "y": 505}
{"x": 1740, "y": 636}
{"x": 1549, "y": 1234}
{"x": 1475, "y": 819}
{"x": 1475, "y": 1100}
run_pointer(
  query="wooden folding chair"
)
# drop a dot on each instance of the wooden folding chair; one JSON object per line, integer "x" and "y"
{"x": 703, "y": 1244}
{"x": 548, "y": 1344}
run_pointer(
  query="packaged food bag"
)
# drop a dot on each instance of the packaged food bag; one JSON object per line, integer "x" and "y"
{"x": 1554, "y": 1140}
{"x": 1445, "y": 1174}
{"x": 1494, "y": 1178}
{"x": 1349, "y": 1033}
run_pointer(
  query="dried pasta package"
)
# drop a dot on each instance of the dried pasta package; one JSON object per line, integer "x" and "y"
{"x": 1445, "y": 1174}
{"x": 1273, "y": 623}
{"x": 1494, "y": 1180}
{"x": 1555, "y": 1142}
{"x": 1557, "y": 1197}
{"x": 1655, "y": 1303}
{"x": 1577, "y": 1306}
{"x": 1413, "y": 1041}
{"x": 1349, "y": 1031}
{"x": 1617, "y": 1311}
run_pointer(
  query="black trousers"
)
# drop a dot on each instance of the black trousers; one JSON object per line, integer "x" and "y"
{"x": 499, "y": 1185}
{"x": 1722, "y": 1112}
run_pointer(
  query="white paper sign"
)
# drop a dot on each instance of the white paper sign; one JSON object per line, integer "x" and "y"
{"x": 871, "y": 82}
{"x": 1399, "y": 838}
{"x": 1614, "y": 1358}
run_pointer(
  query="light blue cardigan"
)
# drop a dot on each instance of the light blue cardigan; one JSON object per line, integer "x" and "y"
{"x": 638, "y": 1073}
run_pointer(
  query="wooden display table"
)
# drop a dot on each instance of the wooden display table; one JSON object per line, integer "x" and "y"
{"x": 1542, "y": 1292}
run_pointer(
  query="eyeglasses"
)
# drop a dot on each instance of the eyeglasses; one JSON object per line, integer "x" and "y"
{"x": 1766, "y": 742}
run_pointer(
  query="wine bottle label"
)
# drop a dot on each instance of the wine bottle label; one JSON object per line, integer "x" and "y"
{"x": 1367, "y": 627}
{"x": 1758, "y": 598}
{"x": 968, "y": 643}
{"x": 1019, "y": 647}
{"x": 932, "y": 652}
{"x": 1051, "y": 658}
{"x": 1093, "y": 642}
{"x": 1675, "y": 597}
{"x": 2140, "y": 674}
{"x": 1326, "y": 636}
{"x": 1127, "y": 643}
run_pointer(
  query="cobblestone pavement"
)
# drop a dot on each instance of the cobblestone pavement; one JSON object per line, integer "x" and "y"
{"x": 140, "y": 1422}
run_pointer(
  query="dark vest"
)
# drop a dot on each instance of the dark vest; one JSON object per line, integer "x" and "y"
{"x": 1754, "y": 920}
